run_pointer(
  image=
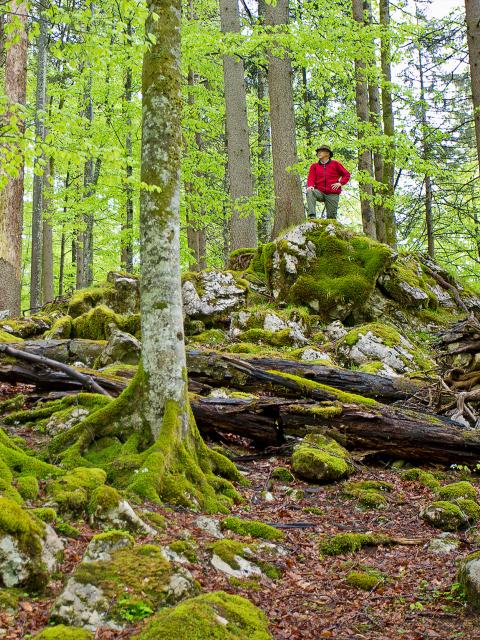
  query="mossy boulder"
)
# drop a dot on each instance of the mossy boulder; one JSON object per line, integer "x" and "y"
{"x": 276, "y": 327}
{"x": 321, "y": 459}
{"x": 239, "y": 560}
{"x": 210, "y": 295}
{"x": 5, "y": 336}
{"x": 251, "y": 528}
{"x": 369, "y": 493}
{"x": 212, "y": 616}
{"x": 27, "y": 487}
{"x": 99, "y": 593}
{"x": 61, "y": 632}
{"x": 282, "y": 474}
{"x": 423, "y": 477}
{"x": 96, "y": 324}
{"x": 25, "y": 327}
{"x": 108, "y": 509}
{"x": 103, "y": 545}
{"x": 456, "y": 490}
{"x": 71, "y": 492}
{"x": 61, "y": 328}
{"x": 121, "y": 347}
{"x": 29, "y": 549}
{"x": 468, "y": 576}
{"x": 444, "y": 515}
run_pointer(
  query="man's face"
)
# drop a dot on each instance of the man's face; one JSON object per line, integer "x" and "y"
{"x": 323, "y": 155}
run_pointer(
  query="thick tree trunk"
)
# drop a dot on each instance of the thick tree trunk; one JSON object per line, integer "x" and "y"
{"x": 388, "y": 126}
{"x": 289, "y": 207}
{"x": 243, "y": 226}
{"x": 14, "y": 57}
{"x": 472, "y": 18}
{"x": 38, "y": 179}
{"x": 364, "y": 155}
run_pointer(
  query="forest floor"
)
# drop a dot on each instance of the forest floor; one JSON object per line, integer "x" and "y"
{"x": 417, "y": 600}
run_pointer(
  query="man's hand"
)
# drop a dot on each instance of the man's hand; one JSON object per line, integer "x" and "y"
{"x": 336, "y": 186}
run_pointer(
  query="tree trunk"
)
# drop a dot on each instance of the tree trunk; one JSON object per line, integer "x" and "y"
{"x": 243, "y": 226}
{"x": 11, "y": 196}
{"x": 364, "y": 155}
{"x": 38, "y": 177}
{"x": 426, "y": 156}
{"x": 127, "y": 238}
{"x": 388, "y": 126}
{"x": 289, "y": 207}
{"x": 47, "y": 240}
{"x": 472, "y": 18}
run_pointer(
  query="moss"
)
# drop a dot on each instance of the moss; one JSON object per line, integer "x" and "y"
{"x": 467, "y": 577}
{"x": 367, "y": 485}
{"x": 45, "y": 514}
{"x": 120, "y": 370}
{"x": 244, "y": 347}
{"x": 470, "y": 508}
{"x": 315, "y": 511}
{"x": 320, "y": 459}
{"x": 212, "y": 616}
{"x": 67, "y": 530}
{"x": 27, "y": 487}
{"x": 329, "y": 392}
{"x": 226, "y": 550}
{"x": 282, "y": 474}
{"x": 61, "y": 328}
{"x": 456, "y": 490}
{"x": 273, "y": 338}
{"x": 95, "y": 324}
{"x": 388, "y": 334}
{"x": 103, "y": 500}
{"x": 84, "y": 300}
{"x": 249, "y": 584}
{"x": 9, "y": 599}
{"x": 184, "y": 548}
{"x": 61, "y": 632}
{"x": 142, "y": 571}
{"x": 12, "y": 404}
{"x": 251, "y": 528}
{"x": 424, "y": 477}
{"x": 352, "y": 542}
{"x": 8, "y": 337}
{"x": 365, "y": 580}
{"x": 21, "y": 463}
{"x": 322, "y": 411}
{"x": 371, "y": 367}
{"x": 444, "y": 515}
{"x": 371, "y": 499}
{"x": 155, "y": 519}
{"x": 71, "y": 492}
{"x": 114, "y": 536}
{"x": 211, "y": 336}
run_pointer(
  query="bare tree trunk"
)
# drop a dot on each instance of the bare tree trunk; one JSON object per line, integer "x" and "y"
{"x": 388, "y": 126}
{"x": 289, "y": 207}
{"x": 61, "y": 270}
{"x": 47, "y": 241}
{"x": 472, "y": 18}
{"x": 364, "y": 155}
{"x": 127, "y": 227}
{"x": 38, "y": 179}
{"x": 243, "y": 226}
{"x": 11, "y": 196}
{"x": 263, "y": 141}
{"x": 426, "y": 155}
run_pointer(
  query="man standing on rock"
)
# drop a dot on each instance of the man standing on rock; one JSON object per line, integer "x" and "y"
{"x": 325, "y": 180}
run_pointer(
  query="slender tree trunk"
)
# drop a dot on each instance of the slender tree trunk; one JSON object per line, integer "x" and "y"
{"x": 243, "y": 227}
{"x": 14, "y": 83}
{"x": 472, "y": 18}
{"x": 63, "y": 241}
{"x": 127, "y": 239}
{"x": 426, "y": 156}
{"x": 263, "y": 142}
{"x": 364, "y": 155}
{"x": 38, "y": 179}
{"x": 388, "y": 126}
{"x": 47, "y": 241}
{"x": 289, "y": 207}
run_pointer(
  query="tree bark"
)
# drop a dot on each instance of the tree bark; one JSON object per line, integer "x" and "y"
{"x": 472, "y": 18}
{"x": 263, "y": 142}
{"x": 127, "y": 230}
{"x": 243, "y": 225}
{"x": 426, "y": 156}
{"x": 388, "y": 126}
{"x": 11, "y": 196}
{"x": 47, "y": 240}
{"x": 38, "y": 177}
{"x": 289, "y": 207}
{"x": 364, "y": 154}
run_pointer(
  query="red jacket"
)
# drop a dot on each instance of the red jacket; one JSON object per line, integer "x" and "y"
{"x": 322, "y": 176}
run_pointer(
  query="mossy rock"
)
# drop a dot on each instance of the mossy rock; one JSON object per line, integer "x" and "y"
{"x": 61, "y": 328}
{"x": 211, "y": 336}
{"x": 468, "y": 575}
{"x": 423, "y": 477}
{"x": 185, "y": 548}
{"x": 456, "y": 490}
{"x": 5, "y": 336}
{"x": 27, "y": 487}
{"x": 72, "y": 492}
{"x": 366, "y": 580}
{"x": 251, "y": 528}
{"x": 24, "y": 327}
{"x": 212, "y": 616}
{"x": 61, "y": 632}
{"x": 9, "y": 599}
{"x": 444, "y": 515}
{"x": 282, "y": 474}
{"x": 83, "y": 300}
{"x": 470, "y": 508}
{"x": 321, "y": 459}
{"x": 343, "y": 543}
{"x": 96, "y": 324}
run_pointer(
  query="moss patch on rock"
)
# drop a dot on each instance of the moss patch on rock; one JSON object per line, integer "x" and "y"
{"x": 456, "y": 490}
{"x": 366, "y": 580}
{"x": 352, "y": 542}
{"x": 423, "y": 477}
{"x": 321, "y": 459}
{"x": 282, "y": 474}
{"x": 444, "y": 515}
{"x": 251, "y": 528}
{"x": 62, "y": 632}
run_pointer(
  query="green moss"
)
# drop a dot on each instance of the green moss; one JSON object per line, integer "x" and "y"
{"x": 211, "y": 336}
{"x": 61, "y": 632}
{"x": 388, "y": 334}
{"x": 8, "y": 337}
{"x": 371, "y": 367}
{"x": 367, "y": 485}
{"x": 467, "y": 577}
{"x": 456, "y": 490}
{"x": 227, "y": 549}
{"x": 103, "y": 500}
{"x": 203, "y": 618}
{"x": 251, "y": 528}
{"x": 27, "y": 487}
{"x": 371, "y": 499}
{"x": 365, "y": 580}
{"x": 9, "y": 599}
{"x": 45, "y": 514}
{"x": 282, "y": 474}
{"x": 21, "y": 463}
{"x": 351, "y": 542}
{"x": 84, "y": 300}
{"x": 444, "y": 515}
{"x": 470, "y": 508}
{"x": 184, "y": 548}
{"x": 12, "y": 404}
{"x": 95, "y": 324}
{"x": 114, "y": 536}
{"x": 61, "y": 328}
{"x": 155, "y": 519}
{"x": 315, "y": 511}
{"x": 245, "y": 347}
{"x": 249, "y": 584}
{"x": 71, "y": 492}
{"x": 424, "y": 477}
{"x": 322, "y": 411}
{"x": 320, "y": 459}
{"x": 67, "y": 530}
{"x": 262, "y": 336}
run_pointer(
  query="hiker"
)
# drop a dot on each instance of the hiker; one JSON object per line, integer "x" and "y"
{"x": 325, "y": 180}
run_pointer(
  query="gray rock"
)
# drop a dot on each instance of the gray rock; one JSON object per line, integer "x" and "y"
{"x": 103, "y": 545}
{"x": 126, "y": 297}
{"x": 122, "y": 517}
{"x": 121, "y": 347}
{"x": 469, "y": 577}
{"x": 244, "y": 569}
{"x": 83, "y": 605}
{"x": 210, "y": 526}
{"x": 215, "y": 294}
{"x": 443, "y": 544}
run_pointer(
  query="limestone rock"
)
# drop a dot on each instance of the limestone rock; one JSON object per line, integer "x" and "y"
{"x": 210, "y": 526}
{"x": 321, "y": 459}
{"x": 86, "y": 351}
{"x": 103, "y": 545}
{"x": 444, "y": 515}
{"x": 210, "y": 294}
{"x": 245, "y": 568}
{"x": 121, "y": 347}
{"x": 126, "y": 296}
{"x": 443, "y": 544}
{"x": 469, "y": 577}
{"x": 109, "y": 510}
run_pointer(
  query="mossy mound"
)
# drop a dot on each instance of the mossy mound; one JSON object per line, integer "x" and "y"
{"x": 61, "y": 632}
{"x": 282, "y": 474}
{"x": 444, "y": 515}
{"x": 8, "y": 337}
{"x": 9, "y": 599}
{"x": 321, "y": 459}
{"x": 369, "y": 493}
{"x": 72, "y": 492}
{"x": 185, "y": 548}
{"x": 210, "y": 336}
{"x": 25, "y": 327}
{"x": 213, "y": 616}
{"x": 251, "y": 528}
{"x": 365, "y": 580}
{"x": 456, "y": 490}
{"x": 351, "y": 542}
{"x": 423, "y": 477}
{"x": 97, "y": 324}
{"x": 470, "y": 508}
{"x": 61, "y": 328}
{"x": 27, "y": 487}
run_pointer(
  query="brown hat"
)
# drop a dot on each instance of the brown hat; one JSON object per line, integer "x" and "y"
{"x": 325, "y": 148}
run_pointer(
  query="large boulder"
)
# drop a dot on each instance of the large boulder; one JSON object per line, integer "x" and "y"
{"x": 208, "y": 295}
{"x": 100, "y": 592}
{"x": 30, "y": 550}
{"x": 121, "y": 347}
{"x": 469, "y": 577}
